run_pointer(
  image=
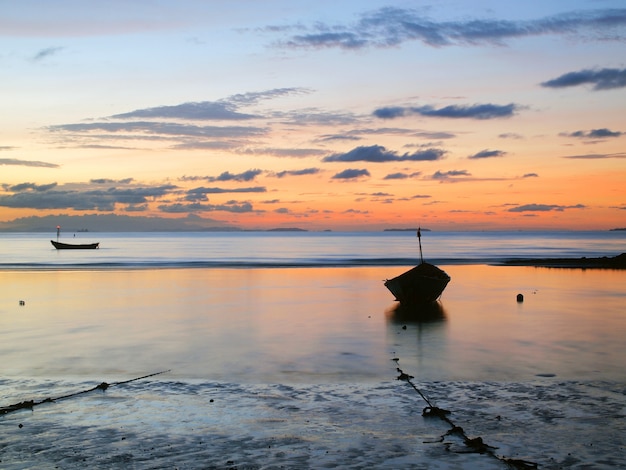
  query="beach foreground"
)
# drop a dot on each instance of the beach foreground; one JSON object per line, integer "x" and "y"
{"x": 172, "y": 424}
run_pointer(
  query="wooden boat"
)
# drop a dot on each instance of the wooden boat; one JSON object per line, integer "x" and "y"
{"x": 420, "y": 285}
{"x": 74, "y": 246}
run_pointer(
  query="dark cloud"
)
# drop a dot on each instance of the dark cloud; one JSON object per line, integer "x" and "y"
{"x": 603, "y": 133}
{"x": 379, "y": 154}
{"x": 47, "y": 52}
{"x": 446, "y": 175}
{"x": 136, "y": 208}
{"x": 601, "y": 79}
{"x": 401, "y": 176}
{"x": 105, "y": 199}
{"x": 32, "y": 163}
{"x": 390, "y": 26}
{"x": 351, "y": 174}
{"x": 305, "y": 171}
{"x": 544, "y": 208}
{"x": 475, "y": 111}
{"x": 530, "y": 175}
{"x": 487, "y": 154}
{"x": 31, "y": 186}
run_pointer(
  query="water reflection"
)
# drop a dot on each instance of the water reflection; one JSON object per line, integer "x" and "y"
{"x": 429, "y": 313}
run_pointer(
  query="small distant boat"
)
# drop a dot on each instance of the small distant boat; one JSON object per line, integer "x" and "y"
{"x": 74, "y": 246}
{"x": 420, "y": 285}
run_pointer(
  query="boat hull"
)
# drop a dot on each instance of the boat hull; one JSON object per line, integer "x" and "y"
{"x": 72, "y": 246}
{"x": 420, "y": 285}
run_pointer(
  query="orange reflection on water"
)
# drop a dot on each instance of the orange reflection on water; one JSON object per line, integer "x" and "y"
{"x": 570, "y": 324}
{"x": 311, "y": 324}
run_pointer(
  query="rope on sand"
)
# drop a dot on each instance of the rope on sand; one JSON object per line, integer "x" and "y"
{"x": 30, "y": 404}
{"x": 477, "y": 444}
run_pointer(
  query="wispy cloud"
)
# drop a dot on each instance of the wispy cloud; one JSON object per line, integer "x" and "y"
{"x": 47, "y": 52}
{"x": 600, "y": 79}
{"x": 248, "y": 175}
{"x": 594, "y": 134}
{"x": 473, "y": 111}
{"x": 596, "y": 156}
{"x": 305, "y": 171}
{"x": 487, "y": 154}
{"x": 205, "y": 110}
{"x": 379, "y": 154}
{"x": 201, "y": 192}
{"x": 449, "y": 175}
{"x": 159, "y": 128}
{"x": 544, "y": 208}
{"x": 402, "y": 176}
{"x": 32, "y": 163}
{"x": 351, "y": 173}
{"x": 225, "y": 109}
{"x": 390, "y": 26}
{"x": 511, "y": 135}
{"x": 232, "y": 206}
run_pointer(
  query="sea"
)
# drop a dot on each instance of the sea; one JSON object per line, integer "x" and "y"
{"x": 283, "y": 349}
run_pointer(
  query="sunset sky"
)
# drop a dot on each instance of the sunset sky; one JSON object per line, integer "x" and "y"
{"x": 341, "y": 115}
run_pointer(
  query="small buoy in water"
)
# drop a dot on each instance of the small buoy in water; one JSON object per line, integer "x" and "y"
{"x": 520, "y": 298}
{"x": 22, "y": 302}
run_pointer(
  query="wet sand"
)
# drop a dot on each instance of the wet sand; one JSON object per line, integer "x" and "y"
{"x": 201, "y": 425}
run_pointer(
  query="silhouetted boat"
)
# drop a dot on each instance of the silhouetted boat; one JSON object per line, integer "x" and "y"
{"x": 74, "y": 246}
{"x": 419, "y": 285}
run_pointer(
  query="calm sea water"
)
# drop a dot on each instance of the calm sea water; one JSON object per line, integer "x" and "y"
{"x": 258, "y": 249}
{"x": 282, "y": 348}
{"x": 308, "y": 306}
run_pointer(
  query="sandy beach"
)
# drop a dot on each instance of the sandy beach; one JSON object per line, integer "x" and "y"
{"x": 287, "y": 376}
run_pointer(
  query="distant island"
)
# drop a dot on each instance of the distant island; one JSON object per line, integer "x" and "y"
{"x": 289, "y": 229}
{"x": 617, "y": 229}
{"x": 406, "y": 229}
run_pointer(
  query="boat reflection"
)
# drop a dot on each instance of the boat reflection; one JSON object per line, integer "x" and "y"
{"x": 432, "y": 312}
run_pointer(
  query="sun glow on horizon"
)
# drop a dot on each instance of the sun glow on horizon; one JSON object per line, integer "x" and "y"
{"x": 290, "y": 127}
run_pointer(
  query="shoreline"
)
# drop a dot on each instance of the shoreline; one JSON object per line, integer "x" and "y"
{"x": 616, "y": 262}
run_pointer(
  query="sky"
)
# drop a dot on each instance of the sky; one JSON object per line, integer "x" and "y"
{"x": 321, "y": 115}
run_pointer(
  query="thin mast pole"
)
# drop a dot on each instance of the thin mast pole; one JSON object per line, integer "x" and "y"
{"x": 419, "y": 240}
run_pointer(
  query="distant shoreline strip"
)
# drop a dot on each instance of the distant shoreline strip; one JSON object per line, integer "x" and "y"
{"x": 616, "y": 262}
